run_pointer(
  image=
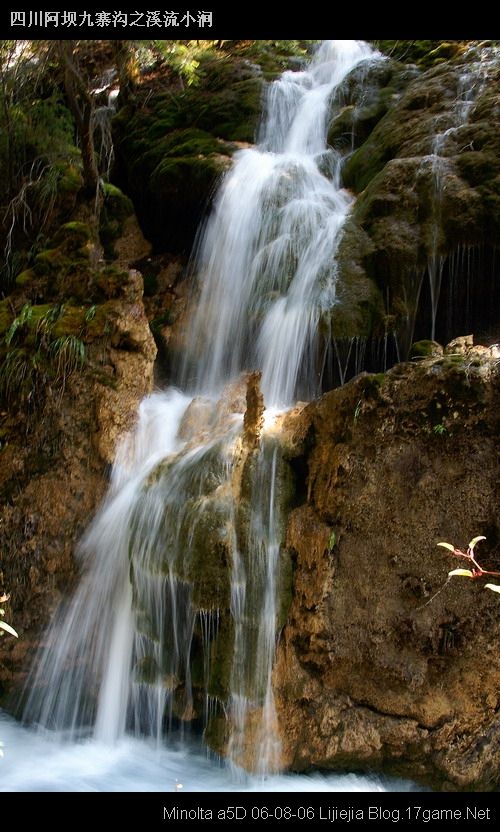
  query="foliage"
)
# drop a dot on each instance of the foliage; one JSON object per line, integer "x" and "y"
{"x": 36, "y": 146}
{"x": 182, "y": 57}
{"x": 4, "y": 627}
{"x": 476, "y": 571}
{"x": 440, "y": 429}
{"x": 33, "y": 354}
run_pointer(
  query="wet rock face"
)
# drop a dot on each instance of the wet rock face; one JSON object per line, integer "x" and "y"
{"x": 372, "y": 670}
{"x": 423, "y": 158}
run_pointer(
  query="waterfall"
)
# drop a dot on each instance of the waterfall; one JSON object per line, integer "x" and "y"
{"x": 177, "y": 612}
{"x": 267, "y": 254}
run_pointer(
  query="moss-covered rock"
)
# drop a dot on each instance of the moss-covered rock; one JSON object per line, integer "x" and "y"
{"x": 116, "y": 208}
{"x": 173, "y": 145}
{"x": 73, "y": 236}
{"x": 365, "y": 96}
{"x": 425, "y": 349}
{"x": 170, "y": 172}
{"x": 427, "y": 177}
{"x": 424, "y": 53}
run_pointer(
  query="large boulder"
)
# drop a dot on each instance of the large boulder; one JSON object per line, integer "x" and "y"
{"x": 383, "y": 663}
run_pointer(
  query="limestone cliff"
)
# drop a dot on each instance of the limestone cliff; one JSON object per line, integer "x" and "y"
{"x": 372, "y": 670}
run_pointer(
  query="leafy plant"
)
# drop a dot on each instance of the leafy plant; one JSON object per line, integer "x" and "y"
{"x": 476, "y": 570}
{"x": 440, "y": 430}
{"x": 69, "y": 353}
{"x": 33, "y": 354}
{"x": 4, "y": 627}
{"x": 50, "y": 317}
{"x": 19, "y": 321}
{"x": 90, "y": 313}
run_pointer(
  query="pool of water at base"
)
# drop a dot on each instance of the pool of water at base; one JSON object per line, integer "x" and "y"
{"x": 41, "y": 762}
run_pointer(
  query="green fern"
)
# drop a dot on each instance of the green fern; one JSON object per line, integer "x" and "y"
{"x": 90, "y": 313}
{"x": 19, "y": 321}
{"x": 69, "y": 353}
{"x": 17, "y": 375}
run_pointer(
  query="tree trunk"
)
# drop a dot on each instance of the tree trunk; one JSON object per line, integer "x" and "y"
{"x": 126, "y": 65}
{"x": 81, "y": 105}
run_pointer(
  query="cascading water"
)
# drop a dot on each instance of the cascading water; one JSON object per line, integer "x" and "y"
{"x": 267, "y": 256}
{"x": 177, "y": 613}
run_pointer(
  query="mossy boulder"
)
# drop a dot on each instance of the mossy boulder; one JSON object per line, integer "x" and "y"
{"x": 116, "y": 208}
{"x": 426, "y": 349}
{"x": 68, "y": 269}
{"x": 170, "y": 176}
{"x": 70, "y": 178}
{"x": 365, "y": 96}
{"x": 73, "y": 236}
{"x": 173, "y": 145}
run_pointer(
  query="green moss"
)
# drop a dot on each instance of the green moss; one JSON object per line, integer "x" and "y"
{"x": 207, "y": 561}
{"x": 173, "y": 173}
{"x": 70, "y": 180}
{"x": 217, "y": 733}
{"x": 65, "y": 272}
{"x": 453, "y": 361}
{"x": 146, "y": 670}
{"x": 25, "y": 278}
{"x": 172, "y": 147}
{"x": 364, "y": 164}
{"x": 49, "y": 260}
{"x": 425, "y": 349}
{"x": 109, "y": 282}
{"x": 117, "y": 198}
{"x": 478, "y": 166}
{"x": 115, "y": 210}
{"x": 49, "y": 320}
{"x": 424, "y": 53}
{"x": 73, "y": 236}
{"x": 192, "y": 142}
{"x": 378, "y": 379}
{"x": 72, "y": 322}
